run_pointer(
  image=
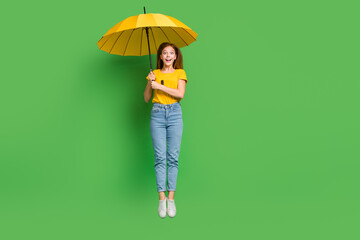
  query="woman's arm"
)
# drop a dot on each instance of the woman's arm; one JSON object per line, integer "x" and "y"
{"x": 148, "y": 92}
{"x": 177, "y": 93}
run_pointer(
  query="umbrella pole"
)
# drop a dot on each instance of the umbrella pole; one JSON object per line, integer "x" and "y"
{"x": 147, "y": 34}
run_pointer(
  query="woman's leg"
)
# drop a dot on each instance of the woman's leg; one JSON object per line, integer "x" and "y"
{"x": 171, "y": 195}
{"x": 162, "y": 195}
{"x": 173, "y": 136}
{"x": 158, "y": 135}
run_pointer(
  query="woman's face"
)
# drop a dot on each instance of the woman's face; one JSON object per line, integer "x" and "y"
{"x": 168, "y": 56}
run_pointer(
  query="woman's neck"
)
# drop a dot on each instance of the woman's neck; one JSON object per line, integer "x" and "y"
{"x": 167, "y": 69}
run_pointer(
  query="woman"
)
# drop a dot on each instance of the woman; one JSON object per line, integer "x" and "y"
{"x": 166, "y": 124}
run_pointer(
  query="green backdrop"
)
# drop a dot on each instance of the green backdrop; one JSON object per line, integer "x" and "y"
{"x": 270, "y": 146}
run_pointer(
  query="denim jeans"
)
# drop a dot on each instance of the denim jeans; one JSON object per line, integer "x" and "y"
{"x": 166, "y": 126}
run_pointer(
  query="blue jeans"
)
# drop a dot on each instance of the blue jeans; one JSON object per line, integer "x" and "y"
{"x": 166, "y": 126}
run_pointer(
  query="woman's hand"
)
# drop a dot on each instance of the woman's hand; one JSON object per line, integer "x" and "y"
{"x": 155, "y": 85}
{"x": 151, "y": 76}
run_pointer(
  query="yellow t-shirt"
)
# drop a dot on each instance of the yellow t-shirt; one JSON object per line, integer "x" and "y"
{"x": 171, "y": 80}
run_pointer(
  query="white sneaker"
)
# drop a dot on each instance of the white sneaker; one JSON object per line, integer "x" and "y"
{"x": 162, "y": 208}
{"x": 171, "y": 209}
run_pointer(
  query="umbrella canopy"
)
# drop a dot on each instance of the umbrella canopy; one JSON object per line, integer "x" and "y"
{"x": 129, "y": 38}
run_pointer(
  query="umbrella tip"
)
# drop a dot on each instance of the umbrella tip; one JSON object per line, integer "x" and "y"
{"x": 144, "y": 10}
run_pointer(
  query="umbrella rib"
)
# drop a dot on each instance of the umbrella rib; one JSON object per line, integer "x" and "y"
{"x": 165, "y": 34}
{"x": 128, "y": 42}
{"x": 104, "y": 42}
{"x": 115, "y": 41}
{"x": 142, "y": 30}
{"x": 189, "y": 34}
{"x": 179, "y": 36}
{"x": 154, "y": 39}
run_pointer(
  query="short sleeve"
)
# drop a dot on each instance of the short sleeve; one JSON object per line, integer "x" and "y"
{"x": 182, "y": 75}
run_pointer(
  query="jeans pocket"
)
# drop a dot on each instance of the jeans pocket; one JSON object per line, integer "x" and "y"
{"x": 177, "y": 108}
{"x": 155, "y": 109}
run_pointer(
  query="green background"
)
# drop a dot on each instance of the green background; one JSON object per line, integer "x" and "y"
{"x": 270, "y": 146}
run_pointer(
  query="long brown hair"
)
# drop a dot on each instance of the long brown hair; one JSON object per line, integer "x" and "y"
{"x": 178, "y": 62}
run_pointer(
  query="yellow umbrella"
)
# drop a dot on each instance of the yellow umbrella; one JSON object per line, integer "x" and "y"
{"x": 142, "y": 34}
